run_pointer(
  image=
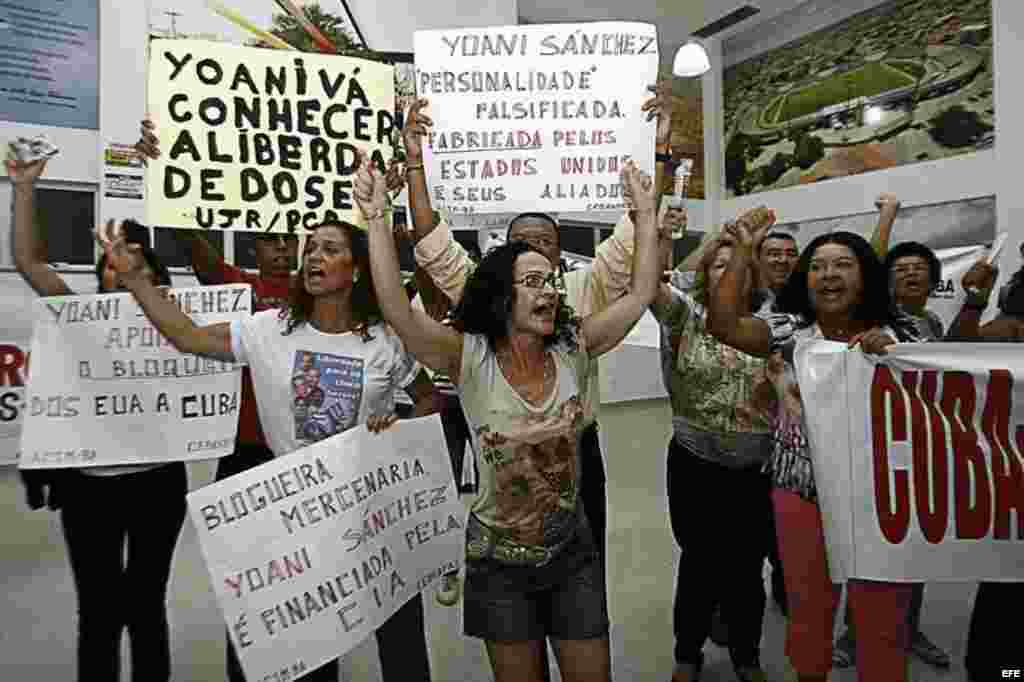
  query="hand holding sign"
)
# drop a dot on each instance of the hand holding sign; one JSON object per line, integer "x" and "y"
{"x": 370, "y": 191}
{"x": 661, "y": 107}
{"x": 25, "y": 172}
{"x": 148, "y": 145}
{"x": 416, "y": 128}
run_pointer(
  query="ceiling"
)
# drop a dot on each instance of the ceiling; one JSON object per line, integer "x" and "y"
{"x": 675, "y": 19}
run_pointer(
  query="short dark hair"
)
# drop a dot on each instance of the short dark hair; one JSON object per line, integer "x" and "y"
{"x": 365, "y": 309}
{"x": 532, "y": 215}
{"x": 490, "y": 292}
{"x": 875, "y": 307}
{"x": 779, "y": 235}
{"x": 905, "y": 249}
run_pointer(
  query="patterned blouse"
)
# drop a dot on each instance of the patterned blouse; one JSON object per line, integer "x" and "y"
{"x": 722, "y": 402}
{"x": 789, "y": 464}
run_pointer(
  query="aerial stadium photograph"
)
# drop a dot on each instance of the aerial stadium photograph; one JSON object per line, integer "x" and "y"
{"x": 903, "y": 82}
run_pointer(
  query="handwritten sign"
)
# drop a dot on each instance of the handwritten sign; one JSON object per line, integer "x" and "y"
{"x": 311, "y": 552}
{"x": 918, "y": 459}
{"x": 107, "y": 388}
{"x": 13, "y": 373}
{"x": 259, "y": 139}
{"x": 530, "y": 118}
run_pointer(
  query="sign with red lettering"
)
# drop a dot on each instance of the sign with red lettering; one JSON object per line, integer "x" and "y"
{"x": 108, "y": 389}
{"x": 918, "y": 459}
{"x": 13, "y": 373}
{"x": 313, "y": 551}
{"x": 536, "y": 118}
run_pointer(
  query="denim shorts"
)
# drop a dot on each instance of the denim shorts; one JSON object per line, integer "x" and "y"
{"x": 565, "y": 599}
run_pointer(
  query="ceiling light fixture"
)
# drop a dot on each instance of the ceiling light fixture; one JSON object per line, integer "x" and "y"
{"x": 691, "y": 60}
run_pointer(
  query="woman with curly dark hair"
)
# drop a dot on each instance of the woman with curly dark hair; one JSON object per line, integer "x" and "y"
{"x": 839, "y": 291}
{"x": 323, "y": 365}
{"x": 519, "y": 359}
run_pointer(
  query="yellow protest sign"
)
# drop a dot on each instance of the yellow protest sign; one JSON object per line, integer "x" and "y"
{"x": 258, "y": 139}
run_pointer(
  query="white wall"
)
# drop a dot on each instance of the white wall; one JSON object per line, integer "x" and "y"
{"x": 388, "y": 26}
{"x": 990, "y": 172}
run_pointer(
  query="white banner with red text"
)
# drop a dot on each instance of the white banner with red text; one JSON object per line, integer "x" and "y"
{"x": 918, "y": 459}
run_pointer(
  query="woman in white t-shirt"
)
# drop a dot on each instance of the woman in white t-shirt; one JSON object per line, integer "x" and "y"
{"x": 319, "y": 366}
{"x": 120, "y": 561}
{"x": 517, "y": 355}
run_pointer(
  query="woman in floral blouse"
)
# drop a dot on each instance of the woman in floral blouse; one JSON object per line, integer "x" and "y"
{"x": 839, "y": 292}
{"x": 721, "y": 403}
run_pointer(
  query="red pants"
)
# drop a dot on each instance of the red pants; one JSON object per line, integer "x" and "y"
{"x": 879, "y": 609}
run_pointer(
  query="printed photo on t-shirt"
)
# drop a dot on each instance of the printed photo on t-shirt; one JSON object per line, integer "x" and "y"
{"x": 327, "y": 391}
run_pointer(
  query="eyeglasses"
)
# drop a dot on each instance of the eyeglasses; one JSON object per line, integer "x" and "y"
{"x": 909, "y": 268}
{"x": 535, "y": 280}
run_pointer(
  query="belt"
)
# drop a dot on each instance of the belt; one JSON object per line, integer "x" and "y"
{"x": 485, "y": 543}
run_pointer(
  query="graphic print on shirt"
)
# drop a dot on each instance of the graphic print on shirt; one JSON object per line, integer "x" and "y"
{"x": 327, "y": 391}
{"x": 535, "y": 471}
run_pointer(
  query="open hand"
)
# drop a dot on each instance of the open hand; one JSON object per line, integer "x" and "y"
{"x": 416, "y": 127}
{"x": 379, "y": 423}
{"x": 637, "y": 188}
{"x": 126, "y": 259}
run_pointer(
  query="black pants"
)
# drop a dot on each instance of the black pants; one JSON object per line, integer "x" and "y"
{"x": 592, "y": 487}
{"x": 102, "y": 516}
{"x": 401, "y": 640}
{"x": 994, "y": 639}
{"x": 457, "y": 437}
{"x": 721, "y": 520}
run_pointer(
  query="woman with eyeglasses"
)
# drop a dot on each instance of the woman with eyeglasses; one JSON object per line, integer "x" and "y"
{"x": 519, "y": 360}
{"x": 111, "y": 552}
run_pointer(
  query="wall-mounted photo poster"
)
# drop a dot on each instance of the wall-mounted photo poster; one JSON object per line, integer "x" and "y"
{"x": 817, "y": 94}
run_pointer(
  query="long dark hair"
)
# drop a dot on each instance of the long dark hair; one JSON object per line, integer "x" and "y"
{"x": 490, "y": 292}
{"x": 365, "y": 309}
{"x": 875, "y": 307}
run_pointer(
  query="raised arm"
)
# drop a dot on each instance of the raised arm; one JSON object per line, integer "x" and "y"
{"x": 212, "y": 341}
{"x": 888, "y": 206}
{"x": 728, "y": 320}
{"x": 435, "y": 345}
{"x": 416, "y": 128}
{"x": 29, "y": 249}
{"x": 206, "y": 260}
{"x": 603, "y": 330}
{"x": 978, "y": 283}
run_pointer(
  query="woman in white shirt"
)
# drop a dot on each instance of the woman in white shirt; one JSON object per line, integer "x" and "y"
{"x": 519, "y": 359}
{"x": 320, "y": 366}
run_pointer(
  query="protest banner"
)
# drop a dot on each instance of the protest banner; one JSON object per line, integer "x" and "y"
{"x": 536, "y": 118}
{"x": 108, "y": 388}
{"x": 918, "y": 459}
{"x": 311, "y": 552}
{"x": 13, "y": 372}
{"x": 262, "y": 140}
